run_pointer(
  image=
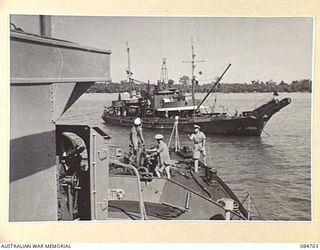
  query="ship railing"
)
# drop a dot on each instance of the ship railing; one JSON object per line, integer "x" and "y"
{"x": 143, "y": 214}
{"x": 251, "y": 202}
{"x": 234, "y": 213}
{"x": 175, "y": 134}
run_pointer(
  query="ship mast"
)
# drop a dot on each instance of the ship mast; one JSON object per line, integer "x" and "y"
{"x": 164, "y": 72}
{"x": 193, "y": 67}
{"x": 129, "y": 73}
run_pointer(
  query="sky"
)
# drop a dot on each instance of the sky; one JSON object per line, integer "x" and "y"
{"x": 277, "y": 48}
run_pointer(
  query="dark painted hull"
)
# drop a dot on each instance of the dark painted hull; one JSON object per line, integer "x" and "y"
{"x": 242, "y": 126}
{"x": 249, "y": 124}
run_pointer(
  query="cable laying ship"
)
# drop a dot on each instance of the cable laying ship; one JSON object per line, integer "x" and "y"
{"x": 65, "y": 171}
{"x": 158, "y": 108}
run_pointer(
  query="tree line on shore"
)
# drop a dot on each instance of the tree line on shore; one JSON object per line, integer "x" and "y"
{"x": 184, "y": 85}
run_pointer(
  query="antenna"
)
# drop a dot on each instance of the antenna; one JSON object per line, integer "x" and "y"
{"x": 193, "y": 67}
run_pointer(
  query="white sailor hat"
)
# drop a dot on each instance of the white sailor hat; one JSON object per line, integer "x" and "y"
{"x": 137, "y": 121}
{"x": 196, "y": 126}
{"x": 158, "y": 136}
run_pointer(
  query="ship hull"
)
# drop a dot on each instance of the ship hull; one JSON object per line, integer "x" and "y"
{"x": 240, "y": 126}
{"x": 249, "y": 123}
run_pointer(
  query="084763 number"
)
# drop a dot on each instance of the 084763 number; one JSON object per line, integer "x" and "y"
{"x": 309, "y": 245}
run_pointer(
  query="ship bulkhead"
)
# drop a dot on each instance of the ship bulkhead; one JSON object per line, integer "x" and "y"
{"x": 47, "y": 76}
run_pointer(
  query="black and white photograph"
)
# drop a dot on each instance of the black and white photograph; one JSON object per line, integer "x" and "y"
{"x": 160, "y": 118}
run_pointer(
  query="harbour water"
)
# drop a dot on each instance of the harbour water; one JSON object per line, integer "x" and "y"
{"x": 275, "y": 168}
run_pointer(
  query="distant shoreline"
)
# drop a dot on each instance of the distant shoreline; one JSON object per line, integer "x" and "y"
{"x": 304, "y": 85}
{"x": 306, "y": 92}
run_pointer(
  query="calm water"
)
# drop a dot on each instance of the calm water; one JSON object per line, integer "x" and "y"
{"x": 275, "y": 168}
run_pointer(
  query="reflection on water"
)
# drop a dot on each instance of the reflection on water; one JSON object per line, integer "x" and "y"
{"x": 275, "y": 168}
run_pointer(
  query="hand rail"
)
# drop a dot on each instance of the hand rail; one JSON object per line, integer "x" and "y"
{"x": 141, "y": 203}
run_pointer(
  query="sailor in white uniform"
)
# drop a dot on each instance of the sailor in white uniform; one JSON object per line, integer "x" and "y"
{"x": 199, "y": 142}
{"x": 164, "y": 162}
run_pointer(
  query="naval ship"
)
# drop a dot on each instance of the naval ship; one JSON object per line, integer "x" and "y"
{"x": 159, "y": 107}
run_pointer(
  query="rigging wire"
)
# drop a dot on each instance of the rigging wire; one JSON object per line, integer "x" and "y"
{"x": 266, "y": 133}
{"x": 213, "y": 107}
{"x": 254, "y": 204}
{"x": 213, "y": 76}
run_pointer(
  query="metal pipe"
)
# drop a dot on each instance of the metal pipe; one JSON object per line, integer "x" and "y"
{"x": 45, "y": 26}
{"x": 94, "y": 180}
{"x": 249, "y": 215}
{"x": 141, "y": 203}
{"x": 187, "y": 205}
{"x": 228, "y": 215}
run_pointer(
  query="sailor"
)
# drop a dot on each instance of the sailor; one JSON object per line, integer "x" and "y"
{"x": 137, "y": 140}
{"x": 199, "y": 142}
{"x": 164, "y": 162}
{"x": 167, "y": 114}
{"x": 275, "y": 96}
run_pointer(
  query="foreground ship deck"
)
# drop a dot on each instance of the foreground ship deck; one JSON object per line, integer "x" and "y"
{"x": 186, "y": 196}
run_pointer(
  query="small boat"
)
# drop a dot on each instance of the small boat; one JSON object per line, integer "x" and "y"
{"x": 158, "y": 108}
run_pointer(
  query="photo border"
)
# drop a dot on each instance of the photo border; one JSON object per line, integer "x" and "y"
{"x": 158, "y": 231}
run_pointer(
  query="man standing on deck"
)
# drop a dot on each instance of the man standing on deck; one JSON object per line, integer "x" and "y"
{"x": 137, "y": 140}
{"x": 164, "y": 162}
{"x": 199, "y": 142}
